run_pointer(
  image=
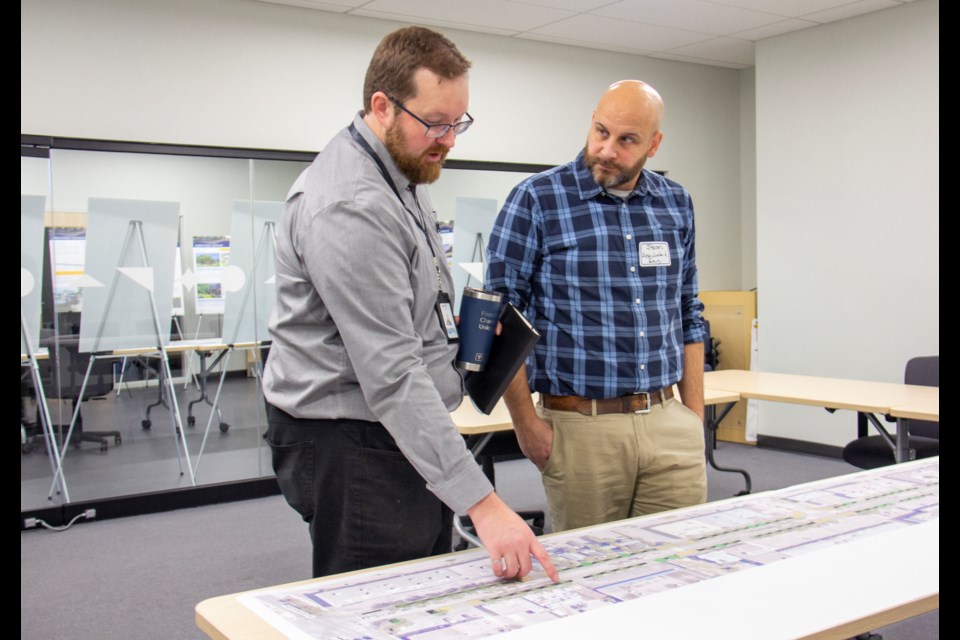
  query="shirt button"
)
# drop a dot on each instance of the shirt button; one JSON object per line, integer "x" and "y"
{"x": 642, "y": 334}
{"x": 638, "y": 300}
{"x": 629, "y": 236}
{"x": 642, "y": 367}
{"x": 632, "y": 269}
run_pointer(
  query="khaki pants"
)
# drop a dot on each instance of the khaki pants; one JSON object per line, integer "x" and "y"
{"x": 615, "y": 466}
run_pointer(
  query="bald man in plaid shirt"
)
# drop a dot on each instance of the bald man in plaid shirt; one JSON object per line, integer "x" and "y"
{"x": 599, "y": 254}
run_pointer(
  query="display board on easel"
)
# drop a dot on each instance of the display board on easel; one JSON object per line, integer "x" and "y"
{"x": 474, "y": 219}
{"x": 136, "y": 274}
{"x": 31, "y": 265}
{"x": 249, "y": 280}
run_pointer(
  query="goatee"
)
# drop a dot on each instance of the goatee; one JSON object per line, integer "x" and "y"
{"x": 611, "y": 175}
{"x": 414, "y": 167}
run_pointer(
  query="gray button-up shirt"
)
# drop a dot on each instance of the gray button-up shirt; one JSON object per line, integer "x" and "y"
{"x": 355, "y": 331}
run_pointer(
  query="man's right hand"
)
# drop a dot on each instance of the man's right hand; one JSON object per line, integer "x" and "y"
{"x": 508, "y": 540}
{"x": 535, "y": 436}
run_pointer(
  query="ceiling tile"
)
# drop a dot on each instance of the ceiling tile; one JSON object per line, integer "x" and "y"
{"x": 576, "y": 6}
{"x": 603, "y": 46}
{"x": 724, "y": 49}
{"x": 849, "y": 10}
{"x": 684, "y": 30}
{"x": 497, "y": 14}
{"x": 706, "y": 61}
{"x": 786, "y": 8}
{"x": 598, "y": 31}
{"x": 337, "y": 6}
{"x": 691, "y": 15}
{"x": 431, "y": 22}
{"x": 775, "y": 29}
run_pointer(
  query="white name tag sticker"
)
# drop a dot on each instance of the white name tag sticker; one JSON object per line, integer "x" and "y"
{"x": 654, "y": 254}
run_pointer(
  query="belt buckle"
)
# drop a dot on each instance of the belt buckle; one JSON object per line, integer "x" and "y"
{"x": 647, "y": 410}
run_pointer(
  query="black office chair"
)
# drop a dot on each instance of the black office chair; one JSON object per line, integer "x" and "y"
{"x": 68, "y": 367}
{"x": 711, "y": 350}
{"x": 870, "y": 452}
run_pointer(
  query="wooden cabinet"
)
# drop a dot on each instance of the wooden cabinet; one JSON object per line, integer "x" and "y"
{"x": 731, "y": 315}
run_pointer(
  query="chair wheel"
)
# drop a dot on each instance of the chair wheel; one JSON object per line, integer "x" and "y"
{"x": 191, "y": 421}
{"x": 224, "y": 427}
{"x": 146, "y": 424}
{"x": 117, "y": 440}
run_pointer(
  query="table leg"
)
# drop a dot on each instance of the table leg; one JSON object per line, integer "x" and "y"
{"x": 899, "y": 442}
{"x": 711, "y": 422}
{"x": 903, "y": 452}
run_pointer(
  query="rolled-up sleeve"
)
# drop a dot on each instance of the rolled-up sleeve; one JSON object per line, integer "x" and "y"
{"x": 513, "y": 251}
{"x": 691, "y": 308}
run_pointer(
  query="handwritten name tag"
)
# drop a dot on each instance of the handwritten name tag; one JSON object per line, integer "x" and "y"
{"x": 654, "y": 254}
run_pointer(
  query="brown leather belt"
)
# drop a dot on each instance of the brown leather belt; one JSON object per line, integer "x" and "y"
{"x": 634, "y": 403}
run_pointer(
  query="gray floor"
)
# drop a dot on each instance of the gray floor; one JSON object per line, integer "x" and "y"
{"x": 149, "y": 459}
{"x": 142, "y": 576}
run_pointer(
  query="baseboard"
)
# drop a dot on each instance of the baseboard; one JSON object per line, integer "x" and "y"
{"x": 800, "y": 446}
{"x": 154, "y": 502}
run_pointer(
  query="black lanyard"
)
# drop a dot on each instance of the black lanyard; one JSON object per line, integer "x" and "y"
{"x": 418, "y": 220}
{"x": 386, "y": 178}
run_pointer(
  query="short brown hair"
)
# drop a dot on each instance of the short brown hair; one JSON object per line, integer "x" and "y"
{"x": 401, "y": 53}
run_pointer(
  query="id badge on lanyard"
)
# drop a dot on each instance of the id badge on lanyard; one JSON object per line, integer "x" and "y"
{"x": 448, "y": 323}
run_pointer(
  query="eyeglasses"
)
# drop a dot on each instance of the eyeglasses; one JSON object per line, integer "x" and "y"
{"x": 436, "y": 130}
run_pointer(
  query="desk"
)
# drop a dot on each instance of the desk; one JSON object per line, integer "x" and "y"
{"x": 204, "y": 348}
{"x": 471, "y": 422}
{"x": 870, "y": 398}
{"x": 817, "y": 545}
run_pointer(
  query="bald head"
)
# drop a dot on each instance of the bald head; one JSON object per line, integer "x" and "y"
{"x": 625, "y": 132}
{"x": 633, "y": 100}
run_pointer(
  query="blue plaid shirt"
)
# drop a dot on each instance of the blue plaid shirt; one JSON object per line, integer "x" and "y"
{"x": 611, "y": 284}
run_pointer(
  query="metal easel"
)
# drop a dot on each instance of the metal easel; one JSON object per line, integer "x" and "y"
{"x": 134, "y": 231}
{"x": 267, "y": 234}
{"x": 44, "y": 409}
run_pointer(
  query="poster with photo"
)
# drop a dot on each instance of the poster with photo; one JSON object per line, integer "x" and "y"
{"x": 67, "y": 247}
{"x": 210, "y": 255}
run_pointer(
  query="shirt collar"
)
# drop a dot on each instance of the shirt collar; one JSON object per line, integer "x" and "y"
{"x": 590, "y": 189}
{"x": 403, "y": 184}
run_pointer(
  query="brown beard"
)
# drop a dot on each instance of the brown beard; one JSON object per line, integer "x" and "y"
{"x": 410, "y": 165}
{"x": 620, "y": 175}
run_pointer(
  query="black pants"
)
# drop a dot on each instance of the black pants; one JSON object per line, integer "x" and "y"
{"x": 365, "y": 503}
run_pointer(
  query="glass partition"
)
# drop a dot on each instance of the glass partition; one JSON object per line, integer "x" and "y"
{"x": 143, "y": 247}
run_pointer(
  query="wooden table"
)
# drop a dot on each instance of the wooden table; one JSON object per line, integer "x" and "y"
{"x": 871, "y": 398}
{"x": 836, "y": 591}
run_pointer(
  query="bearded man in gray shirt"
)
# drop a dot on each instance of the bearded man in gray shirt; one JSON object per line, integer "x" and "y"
{"x": 361, "y": 378}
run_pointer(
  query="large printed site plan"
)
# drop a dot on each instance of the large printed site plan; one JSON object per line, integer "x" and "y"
{"x": 457, "y": 596}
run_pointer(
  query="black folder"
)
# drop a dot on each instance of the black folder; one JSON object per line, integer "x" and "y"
{"x": 510, "y": 349}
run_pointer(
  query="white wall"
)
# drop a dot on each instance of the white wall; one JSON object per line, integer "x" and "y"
{"x": 748, "y": 179}
{"x": 243, "y": 73}
{"x": 848, "y": 196}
